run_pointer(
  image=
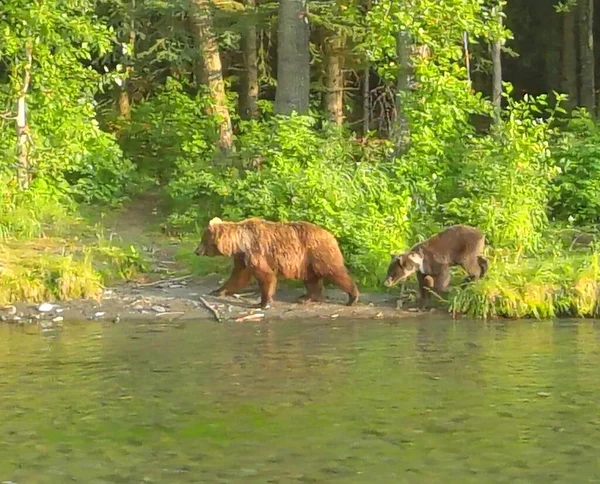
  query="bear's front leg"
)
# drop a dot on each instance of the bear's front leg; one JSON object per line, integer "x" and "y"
{"x": 238, "y": 279}
{"x": 267, "y": 282}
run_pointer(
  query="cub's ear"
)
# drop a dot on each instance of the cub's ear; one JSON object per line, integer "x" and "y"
{"x": 395, "y": 256}
{"x": 415, "y": 258}
{"x": 215, "y": 221}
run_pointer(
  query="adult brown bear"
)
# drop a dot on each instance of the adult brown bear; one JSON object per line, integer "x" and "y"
{"x": 431, "y": 260}
{"x": 266, "y": 250}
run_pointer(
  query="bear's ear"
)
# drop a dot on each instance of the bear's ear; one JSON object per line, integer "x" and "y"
{"x": 215, "y": 221}
{"x": 394, "y": 256}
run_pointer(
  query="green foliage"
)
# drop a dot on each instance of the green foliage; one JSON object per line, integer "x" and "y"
{"x": 575, "y": 194}
{"x": 171, "y": 128}
{"x": 553, "y": 286}
{"x": 36, "y": 277}
{"x": 120, "y": 263}
{"x": 298, "y": 173}
{"x": 35, "y": 212}
{"x": 67, "y": 144}
{"x": 502, "y": 186}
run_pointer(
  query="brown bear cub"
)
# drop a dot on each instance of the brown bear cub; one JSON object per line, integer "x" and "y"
{"x": 266, "y": 250}
{"x": 431, "y": 260}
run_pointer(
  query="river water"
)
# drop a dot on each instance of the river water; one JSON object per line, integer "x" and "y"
{"x": 313, "y": 401}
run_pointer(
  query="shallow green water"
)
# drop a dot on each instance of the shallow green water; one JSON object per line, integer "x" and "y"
{"x": 373, "y": 402}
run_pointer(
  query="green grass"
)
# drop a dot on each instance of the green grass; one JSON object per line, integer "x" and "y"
{"x": 563, "y": 285}
{"x": 55, "y": 269}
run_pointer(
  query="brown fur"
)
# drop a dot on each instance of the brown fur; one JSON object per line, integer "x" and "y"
{"x": 267, "y": 250}
{"x": 431, "y": 260}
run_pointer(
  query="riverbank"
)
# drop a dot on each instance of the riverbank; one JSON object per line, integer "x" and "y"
{"x": 187, "y": 298}
{"x": 121, "y": 264}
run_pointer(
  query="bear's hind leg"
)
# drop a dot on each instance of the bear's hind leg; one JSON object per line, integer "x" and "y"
{"x": 343, "y": 280}
{"x": 314, "y": 290}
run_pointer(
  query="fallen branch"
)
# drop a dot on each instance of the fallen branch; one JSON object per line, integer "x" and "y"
{"x": 164, "y": 281}
{"x": 212, "y": 309}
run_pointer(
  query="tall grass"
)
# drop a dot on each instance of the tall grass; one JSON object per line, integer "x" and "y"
{"x": 35, "y": 212}
{"x": 558, "y": 285}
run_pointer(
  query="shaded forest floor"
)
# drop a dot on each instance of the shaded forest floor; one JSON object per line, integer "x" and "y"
{"x": 174, "y": 283}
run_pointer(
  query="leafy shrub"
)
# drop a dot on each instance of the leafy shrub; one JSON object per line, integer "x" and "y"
{"x": 558, "y": 285}
{"x": 295, "y": 172}
{"x": 34, "y": 212}
{"x": 575, "y": 193}
{"x": 502, "y": 186}
{"x": 170, "y": 128}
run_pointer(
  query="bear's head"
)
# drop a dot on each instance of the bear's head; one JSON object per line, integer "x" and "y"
{"x": 208, "y": 243}
{"x": 401, "y": 267}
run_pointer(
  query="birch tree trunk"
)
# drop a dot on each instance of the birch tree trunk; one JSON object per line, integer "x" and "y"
{"x": 212, "y": 70}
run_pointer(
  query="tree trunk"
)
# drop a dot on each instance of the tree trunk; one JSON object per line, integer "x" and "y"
{"x": 250, "y": 88}
{"x": 401, "y": 129}
{"x": 551, "y": 39}
{"x": 366, "y": 99}
{"x": 123, "y": 101}
{"x": 23, "y": 136}
{"x": 586, "y": 54}
{"x": 211, "y": 64}
{"x": 569, "y": 60}
{"x": 334, "y": 78}
{"x": 366, "y": 84}
{"x": 497, "y": 75}
{"x": 293, "y": 58}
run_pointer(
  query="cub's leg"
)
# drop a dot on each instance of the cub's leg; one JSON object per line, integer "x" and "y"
{"x": 442, "y": 280}
{"x": 426, "y": 283}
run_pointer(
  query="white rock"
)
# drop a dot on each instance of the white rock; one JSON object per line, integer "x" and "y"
{"x": 58, "y": 319}
{"x": 45, "y": 307}
{"x": 99, "y": 314}
{"x": 158, "y": 309}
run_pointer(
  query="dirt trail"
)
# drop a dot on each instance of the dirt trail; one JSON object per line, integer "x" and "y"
{"x": 168, "y": 292}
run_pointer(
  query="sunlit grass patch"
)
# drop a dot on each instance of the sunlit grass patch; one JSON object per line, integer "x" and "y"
{"x": 558, "y": 285}
{"x": 201, "y": 266}
{"x": 46, "y": 276}
{"x": 54, "y": 269}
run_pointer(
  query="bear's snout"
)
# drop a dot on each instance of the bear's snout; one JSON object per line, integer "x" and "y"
{"x": 389, "y": 282}
{"x": 200, "y": 251}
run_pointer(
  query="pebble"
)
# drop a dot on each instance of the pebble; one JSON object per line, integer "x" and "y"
{"x": 158, "y": 309}
{"x": 58, "y": 319}
{"x": 45, "y": 307}
{"x": 99, "y": 314}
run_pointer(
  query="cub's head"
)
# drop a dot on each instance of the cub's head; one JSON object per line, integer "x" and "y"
{"x": 401, "y": 267}
{"x": 208, "y": 243}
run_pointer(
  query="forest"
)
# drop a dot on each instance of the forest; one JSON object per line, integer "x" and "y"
{"x": 383, "y": 121}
